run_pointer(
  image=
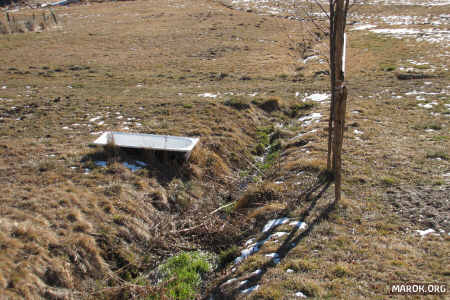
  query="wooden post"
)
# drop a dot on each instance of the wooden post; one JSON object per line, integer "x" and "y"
{"x": 332, "y": 79}
{"x": 338, "y": 11}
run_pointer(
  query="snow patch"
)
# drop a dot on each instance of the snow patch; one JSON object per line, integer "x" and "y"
{"x": 95, "y": 119}
{"x": 364, "y": 27}
{"x": 425, "y": 232}
{"x": 274, "y": 222}
{"x": 250, "y": 289}
{"x": 257, "y": 272}
{"x": 432, "y": 35}
{"x": 243, "y": 282}
{"x": 273, "y": 255}
{"x": 229, "y": 281}
{"x": 308, "y": 119}
{"x": 427, "y": 105}
{"x": 318, "y": 97}
{"x": 310, "y": 58}
{"x": 300, "y": 294}
{"x": 299, "y": 224}
{"x": 278, "y": 234}
{"x": 208, "y": 95}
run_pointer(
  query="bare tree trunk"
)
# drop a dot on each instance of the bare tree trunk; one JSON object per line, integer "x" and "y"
{"x": 332, "y": 77}
{"x": 338, "y": 11}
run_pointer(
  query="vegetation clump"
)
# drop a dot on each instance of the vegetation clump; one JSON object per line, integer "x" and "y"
{"x": 297, "y": 108}
{"x": 187, "y": 269}
{"x": 268, "y": 104}
{"x": 239, "y": 103}
{"x": 228, "y": 255}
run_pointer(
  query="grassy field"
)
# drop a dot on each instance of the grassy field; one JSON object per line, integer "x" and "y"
{"x": 77, "y": 223}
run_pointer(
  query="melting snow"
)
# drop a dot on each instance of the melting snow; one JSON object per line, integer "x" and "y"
{"x": 208, "y": 95}
{"x": 299, "y": 224}
{"x": 250, "y": 289}
{"x": 318, "y": 97}
{"x": 425, "y": 232}
{"x": 300, "y": 294}
{"x": 273, "y": 255}
{"x": 307, "y": 120}
{"x": 428, "y": 105}
{"x": 243, "y": 282}
{"x": 273, "y": 223}
{"x": 310, "y": 58}
{"x": 278, "y": 234}
{"x": 364, "y": 27}
{"x": 257, "y": 272}
{"x": 229, "y": 281}
{"x": 246, "y": 252}
{"x": 432, "y": 35}
{"x": 95, "y": 119}
{"x": 250, "y": 241}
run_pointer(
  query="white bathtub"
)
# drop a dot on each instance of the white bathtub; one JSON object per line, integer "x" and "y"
{"x": 147, "y": 141}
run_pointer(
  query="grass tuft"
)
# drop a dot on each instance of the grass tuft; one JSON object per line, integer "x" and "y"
{"x": 228, "y": 255}
{"x": 239, "y": 103}
{"x": 187, "y": 268}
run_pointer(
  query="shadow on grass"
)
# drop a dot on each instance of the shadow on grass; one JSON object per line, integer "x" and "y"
{"x": 162, "y": 165}
{"x": 296, "y": 235}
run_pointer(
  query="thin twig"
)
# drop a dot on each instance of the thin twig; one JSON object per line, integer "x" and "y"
{"x": 321, "y": 7}
{"x": 222, "y": 207}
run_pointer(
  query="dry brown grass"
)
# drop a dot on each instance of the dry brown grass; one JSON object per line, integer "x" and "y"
{"x": 259, "y": 194}
{"x": 80, "y": 227}
{"x": 63, "y": 229}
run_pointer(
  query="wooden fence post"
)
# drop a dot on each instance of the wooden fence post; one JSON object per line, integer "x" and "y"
{"x": 338, "y": 12}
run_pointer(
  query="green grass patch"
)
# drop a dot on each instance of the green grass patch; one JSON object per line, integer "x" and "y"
{"x": 185, "y": 270}
{"x": 389, "y": 181}
{"x": 228, "y": 255}
{"x": 263, "y": 139}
